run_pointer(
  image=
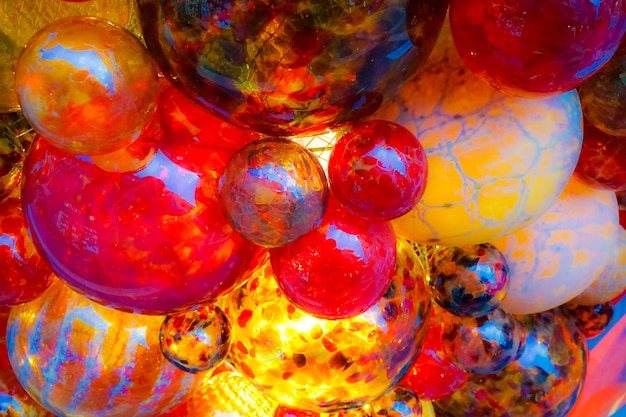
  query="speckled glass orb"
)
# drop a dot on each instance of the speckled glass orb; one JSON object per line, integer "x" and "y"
{"x": 611, "y": 282}
{"x": 341, "y": 268}
{"x": 592, "y": 320}
{"x": 196, "y": 340}
{"x": 482, "y": 345}
{"x": 602, "y": 162}
{"x": 86, "y": 85}
{"x": 469, "y": 281}
{"x": 555, "y": 258}
{"x": 24, "y": 274}
{"x": 378, "y": 170}
{"x": 495, "y": 163}
{"x": 527, "y": 49}
{"x": 544, "y": 381}
{"x": 152, "y": 241}
{"x": 289, "y": 66}
{"x": 327, "y": 365}
{"x": 273, "y": 191}
{"x": 603, "y": 96}
{"x": 76, "y": 357}
{"x": 433, "y": 376}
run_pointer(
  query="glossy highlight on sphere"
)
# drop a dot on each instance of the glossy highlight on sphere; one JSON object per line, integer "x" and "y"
{"x": 196, "y": 340}
{"x": 286, "y": 67}
{"x": 322, "y": 365}
{"x": 544, "y": 381}
{"x": 76, "y": 357}
{"x": 527, "y": 49}
{"x": 469, "y": 281}
{"x": 24, "y": 274}
{"x": 86, "y": 85}
{"x": 482, "y": 345}
{"x": 273, "y": 191}
{"x": 152, "y": 241}
{"x": 378, "y": 170}
{"x": 495, "y": 162}
{"x": 339, "y": 269}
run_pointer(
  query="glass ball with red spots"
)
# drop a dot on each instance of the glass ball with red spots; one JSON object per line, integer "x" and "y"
{"x": 378, "y": 170}
{"x": 339, "y": 269}
{"x": 469, "y": 281}
{"x": 592, "y": 320}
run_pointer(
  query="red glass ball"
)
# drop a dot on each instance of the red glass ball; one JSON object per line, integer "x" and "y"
{"x": 341, "y": 268}
{"x": 24, "y": 275}
{"x": 152, "y": 240}
{"x": 602, "y": 161}
{"x": 531, "y": 48}
{"x": 378, "y": 170}
{"x": 284, "y": 411}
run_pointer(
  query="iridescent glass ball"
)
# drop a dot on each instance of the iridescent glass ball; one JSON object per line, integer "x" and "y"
{"x": 273, "y": 191}
{"x": 284, "y": 67}
{"x": 86, "y": 85}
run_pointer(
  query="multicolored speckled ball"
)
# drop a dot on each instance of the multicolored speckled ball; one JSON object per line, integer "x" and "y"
{"x": 273, "y": 191}
{"x": 322, "y": 365}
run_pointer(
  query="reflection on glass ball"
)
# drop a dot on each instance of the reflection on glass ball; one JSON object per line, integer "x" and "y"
{"x": 544, "y": 381}
{"x": 327, "y": 365}
{"x": 289, "y": 66}
{"x": 399, "y": 402}
{"x": 86, "y": 85}
{"x": 592, "y": 320}
{"x": 197, "y": 340}
{"x": 273, "y": 191}
{"x": 482, "y": 345}
{"x": 76, "y": 357}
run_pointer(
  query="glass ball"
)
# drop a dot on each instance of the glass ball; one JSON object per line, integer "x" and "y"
{"x": 399, "y": 402}
{"x": 482, "y": 345}
{"x": 544, "y": 381}
{"x": 152, "y": 241}
{"x": 378, "y": 170}
{"x": 196, "y": 340}
{"x": 527, "y": 49}
{"x": 495, "y": 163}
{"x": 592, "y": 320}
{"x": 76, "y": 357}
{"x": 24, "y": 274}
{"x": 322, "y": 365}
{"x": 469, "y": 281}
{"x": 290, "y": 66}
{"x": 86, "y": 85}
{"x": 339, "y": 269}
{"x": 273, "y": 191}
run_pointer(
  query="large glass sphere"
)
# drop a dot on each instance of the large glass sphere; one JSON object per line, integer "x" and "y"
{"x": 289, "y": 66}
{"x": 324, "y": 365}
{"x": 76, "y": 357}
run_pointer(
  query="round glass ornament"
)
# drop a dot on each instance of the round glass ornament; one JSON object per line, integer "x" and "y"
{"x": 76, "y": 357}
{"x": 592, "y": 320}
{"x": 544, "y": 381}
{"x": 495, "y": 162}
{"x": 529, "y": 49}
{"x": 86, "y": 85}
{"x": 378, "y": 170}
{"x": 196, "y": 340}
{"x": 273, "y": 191}
{"x": 468, "y": 281}
{"x": 287, "y": 67}
{"x": 152, "y": 241}
{"x": 322, "y": 365}
{"x": 339, "y": 269}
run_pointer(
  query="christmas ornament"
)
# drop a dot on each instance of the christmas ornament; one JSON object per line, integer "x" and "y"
{"x": 469, "y": 281}
{"x": 495, "y": 163}
{"x": 535, "y": 50}
{"x": 76, "y": 357}
{"x": 555, "y": 258}
{"x": 286, "y": 67}
{"x": 87, "y": 94}
{"x": 273, "y": 191}
{"x": 378, "y": 170}
{"x": 339, "y": 269}
{"x": 327, "y": 365}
